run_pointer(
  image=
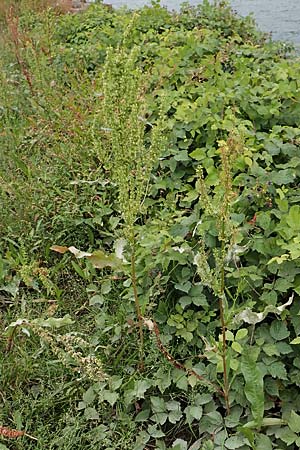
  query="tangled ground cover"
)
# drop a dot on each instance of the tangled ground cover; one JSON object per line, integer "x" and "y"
{"x": 149, "y": 250}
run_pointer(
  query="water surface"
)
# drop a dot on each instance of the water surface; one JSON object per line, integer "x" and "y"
{"x": 279, "y": 17}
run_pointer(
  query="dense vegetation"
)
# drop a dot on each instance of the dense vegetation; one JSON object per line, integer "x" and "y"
{"x": 149, "y": 250}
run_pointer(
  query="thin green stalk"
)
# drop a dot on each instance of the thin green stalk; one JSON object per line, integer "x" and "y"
{"x": 137, "y": 302}
{"x": 222, "y": 319}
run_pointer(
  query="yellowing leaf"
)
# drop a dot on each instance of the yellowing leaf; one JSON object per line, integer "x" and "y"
{"x": 59, "y": 249}
{"x": 78, "y": 253}
{"x": 100, "y": 260}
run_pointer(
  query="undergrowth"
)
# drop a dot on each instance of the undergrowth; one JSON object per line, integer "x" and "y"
{"x": 149, "y": 260}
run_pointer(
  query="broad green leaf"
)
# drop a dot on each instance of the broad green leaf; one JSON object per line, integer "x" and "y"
{"x": 229, "y": 336}
{"x": 294, "y": 422}
{"x": 158, "y": 404}
{"x": 96, "y": 300}
{"x": 254, "y": 385}
{"x": 263, "y": 442}
{"x": 142, "y": 415}
{"x": 286, "y": 435}
{"x": 237, "y": 347}
{"x": 141, "y": 386}
{"x": 155, "y": 432}
{"x": 279, "y": 330}
{"x": 241, "y": 334}
{"x": 106, "y": 287}
{"x": 271, "y": 350}
{"x": 278, "y": 370}
{"x": 293, "y": 217}
{"x": 159, "y": 417}
{"x": 203, "y": 399}
{"x": 91, "y": 414}
{"x": 295, "y": 341}
{"x": 236, "y": 441}
{"x": 193, "y": 412}
{"x": 141, "y": 440}
{"x": 180, "y": 444}
{"x": 110, "y": 397}
{"x": 89, "y": 396}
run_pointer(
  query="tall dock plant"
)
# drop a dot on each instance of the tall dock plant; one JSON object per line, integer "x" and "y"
{"x": 217, "y": 214}
{"x": 127, "y": 151}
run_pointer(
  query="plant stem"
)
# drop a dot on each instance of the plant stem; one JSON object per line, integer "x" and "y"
{"x": 222, "y": 319}
{"x": 137, "y": 302}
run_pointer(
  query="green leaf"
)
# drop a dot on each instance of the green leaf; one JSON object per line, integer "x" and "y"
{"x": 110, "y": 397}
{"x": 185, "y": 287}
{"x": 158, "y": 404}
{"x": 279, "y": 330}
{"x": 89, "y": 396}
{"x": 237, "y": 347}
{"x": 283, "y": 177}
{"x": 286, "y": 435}
{"x": 91, "y": 414}
{"x": 241, "y": 334}
{"x": 142, "y": 415}
{"x": 277, "y": 370}
{"x": 263, "y": 442}
{"x": 254, "y": 385}
{"x": 141, "y": 386}
{"x": 193, "y": 412}
{"x": 293, "y": 217}
{"x": 154, "y": 432}
{"x": 96, "y": 300}
{"x": 105, "y": 287}
{"x": 295, "y": 341}
{"x": 271, "y": 350}
{"x": 180, "y": 444}
{"x": 236, "y": 441}
{"x": 294, "y": 422}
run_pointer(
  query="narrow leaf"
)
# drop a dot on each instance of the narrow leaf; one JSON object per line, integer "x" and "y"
{"x": 254, "y": 386}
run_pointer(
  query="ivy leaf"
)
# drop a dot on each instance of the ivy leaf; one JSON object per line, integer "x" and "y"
{"x": 254, "y": 385}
